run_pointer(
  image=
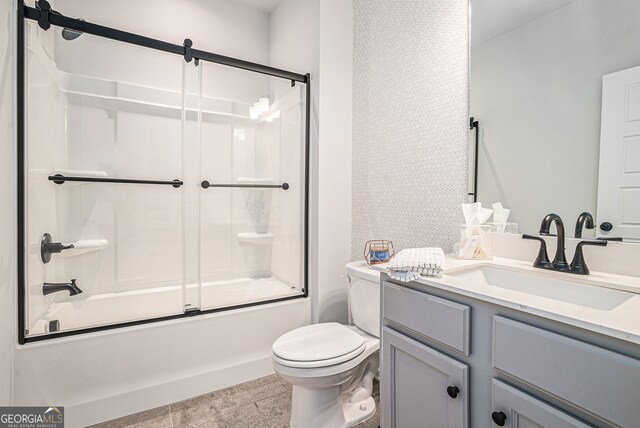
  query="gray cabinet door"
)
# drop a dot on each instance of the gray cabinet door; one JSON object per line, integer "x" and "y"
{"x": 602, "y": 382}
{"x": 520, "y": 410}
{"x": 414, "y": 385}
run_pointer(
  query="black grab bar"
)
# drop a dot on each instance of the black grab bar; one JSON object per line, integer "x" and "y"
{"x": 284, "y": 186}
{"x": 61, "y": 179}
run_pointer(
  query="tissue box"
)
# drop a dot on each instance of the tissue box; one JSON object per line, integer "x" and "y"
{"x": 475, "y": 242}
{"x": 504, "y": 227}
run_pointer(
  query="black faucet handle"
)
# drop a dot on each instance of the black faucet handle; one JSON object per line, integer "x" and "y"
{"x": 597, "y": 243}
{"x": 533, "y": 237}
{"x": 578, "y": 264}
{"x": 542, "y": 260}
{"x": 48, "y": 247}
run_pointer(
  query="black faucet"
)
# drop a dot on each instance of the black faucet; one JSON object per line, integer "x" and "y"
{"x": 560, "y": 260}
{"x": 585, "y": 220}
{"x": 71, "y": 287}
{"x": 578, "y": 265}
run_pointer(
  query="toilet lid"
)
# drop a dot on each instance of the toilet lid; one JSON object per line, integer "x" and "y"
{"x": 317, "y": 342}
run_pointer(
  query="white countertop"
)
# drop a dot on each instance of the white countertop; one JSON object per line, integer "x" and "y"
{"x": 622, "y": 321}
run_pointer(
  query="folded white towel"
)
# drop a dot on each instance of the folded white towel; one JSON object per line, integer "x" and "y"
{"x": 409, "y": 264}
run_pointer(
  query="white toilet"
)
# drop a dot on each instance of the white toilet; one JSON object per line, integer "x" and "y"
{"x": 331, "y": 366}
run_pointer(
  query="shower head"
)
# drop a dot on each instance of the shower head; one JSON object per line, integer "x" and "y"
{"x": 69, "y": 34}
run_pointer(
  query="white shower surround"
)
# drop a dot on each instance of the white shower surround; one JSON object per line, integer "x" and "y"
{"x": 109, "y": 308}
{"x": 84, "y": 122}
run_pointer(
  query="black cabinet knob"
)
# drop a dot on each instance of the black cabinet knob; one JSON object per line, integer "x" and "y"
{"x": 606, "y": 226}
{"x": 499, "y": 418}
{"x": 453, "y": 391}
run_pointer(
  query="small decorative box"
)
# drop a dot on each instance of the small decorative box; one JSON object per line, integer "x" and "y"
{"x": 378, "y": 251}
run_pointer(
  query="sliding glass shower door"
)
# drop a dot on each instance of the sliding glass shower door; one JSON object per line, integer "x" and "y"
{"x": 155, "y": 188}
{"x": 251, "y": 173}
{"x": 103, "y": 149}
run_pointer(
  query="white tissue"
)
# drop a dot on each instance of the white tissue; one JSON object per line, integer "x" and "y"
{"x": 475, "y": 214}
{"x": 500, "y": 214}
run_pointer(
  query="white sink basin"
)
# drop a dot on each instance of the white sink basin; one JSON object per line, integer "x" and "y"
{"x": 543, "y": 284}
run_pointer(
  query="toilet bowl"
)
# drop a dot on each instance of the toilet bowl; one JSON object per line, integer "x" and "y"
{"x": 332, "y": 366}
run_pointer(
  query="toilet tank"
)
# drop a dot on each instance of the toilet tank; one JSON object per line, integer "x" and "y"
{"x": 364, "y": 297}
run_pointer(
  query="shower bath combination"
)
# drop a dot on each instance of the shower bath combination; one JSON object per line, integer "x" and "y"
{"x": 162, "y": 201}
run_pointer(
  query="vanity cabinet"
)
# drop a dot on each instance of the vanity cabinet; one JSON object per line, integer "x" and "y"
{"x": 422, "y": 386}
{"x": 508, "y": 367}
{"x": 513, "y": 408}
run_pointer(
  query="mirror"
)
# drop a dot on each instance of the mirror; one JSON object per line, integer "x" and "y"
{"x": 555, "y": 91}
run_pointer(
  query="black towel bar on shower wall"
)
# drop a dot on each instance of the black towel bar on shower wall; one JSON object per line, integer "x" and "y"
{"x": 61, "y": 179}
{"x": 284, "y": 186}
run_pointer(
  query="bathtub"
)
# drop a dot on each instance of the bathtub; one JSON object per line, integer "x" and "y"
{"x": 85, "y": 311}
{"x": 108, "y": 374}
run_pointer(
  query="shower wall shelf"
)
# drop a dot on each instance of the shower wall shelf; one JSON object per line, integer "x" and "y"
{"x": 253, "y": 180}
{"x": 122, "y": 96}
{"x": 85, "y": 246}
{"x": 71, "y": 172}
{"x": 61, "y": 179}
{"x": 255, "y": 238}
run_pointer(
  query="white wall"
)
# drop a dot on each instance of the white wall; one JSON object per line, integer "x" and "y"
{"x": 7, "y": 200}
{"x": 410, "y": 121}
{"x": 315, "y": 36}
{"x": 537, "y": 94}
{"x": 334, "y": 156}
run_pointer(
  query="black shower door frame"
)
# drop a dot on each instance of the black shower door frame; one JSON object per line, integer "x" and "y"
{"x": 46, "y": 17}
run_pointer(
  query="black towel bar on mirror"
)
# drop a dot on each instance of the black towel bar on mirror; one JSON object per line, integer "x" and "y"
{"x": 284, "y": 186}
{"x": 61, "y": 179}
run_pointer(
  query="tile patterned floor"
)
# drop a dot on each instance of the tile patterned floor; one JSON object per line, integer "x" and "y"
{"x": 262, "y": 403}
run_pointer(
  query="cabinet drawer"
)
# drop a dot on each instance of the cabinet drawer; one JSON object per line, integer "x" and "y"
{"x": 523, "y": 410}
{"x": 597, "y": 380}
{"x": 441, "y": 320}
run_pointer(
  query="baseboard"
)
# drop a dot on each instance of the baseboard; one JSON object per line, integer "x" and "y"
{"x": 149, "y": 397}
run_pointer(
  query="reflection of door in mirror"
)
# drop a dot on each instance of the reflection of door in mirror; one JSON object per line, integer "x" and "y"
{"x": 619, "y": 180}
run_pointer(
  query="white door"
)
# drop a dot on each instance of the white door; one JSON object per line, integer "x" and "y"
{"x": 619, "y": 180}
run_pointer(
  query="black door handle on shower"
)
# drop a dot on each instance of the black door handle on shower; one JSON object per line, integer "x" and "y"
{"x": 284, "y": 186}
{"x": 61, "y": 179}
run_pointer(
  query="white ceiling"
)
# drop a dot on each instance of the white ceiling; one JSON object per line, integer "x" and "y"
{"x": 267, "y": 6}
{"x": 491, "y": 18}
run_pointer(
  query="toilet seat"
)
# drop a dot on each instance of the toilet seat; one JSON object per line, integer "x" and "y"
{"x": 318, "y": 345}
